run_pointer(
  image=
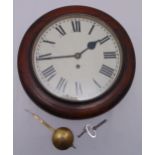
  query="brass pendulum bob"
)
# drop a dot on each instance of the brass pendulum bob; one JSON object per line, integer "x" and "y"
{"x": 62, "y": 137}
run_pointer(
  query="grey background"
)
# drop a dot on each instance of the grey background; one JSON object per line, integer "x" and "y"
{"x": 122, "y": 133}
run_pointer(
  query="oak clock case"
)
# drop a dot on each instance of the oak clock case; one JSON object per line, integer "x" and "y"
{"x": 76, "y": 62}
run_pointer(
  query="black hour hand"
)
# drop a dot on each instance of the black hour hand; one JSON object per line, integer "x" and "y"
{"x": 92, "y": 45}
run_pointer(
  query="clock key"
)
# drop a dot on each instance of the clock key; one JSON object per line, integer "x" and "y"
{"x": 82, "y": 133}
{"x": 89, "y": 129}
{"x": 99, "y": 124}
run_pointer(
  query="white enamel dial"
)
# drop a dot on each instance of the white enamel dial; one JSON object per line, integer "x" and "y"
{"x": 77, "y": 57}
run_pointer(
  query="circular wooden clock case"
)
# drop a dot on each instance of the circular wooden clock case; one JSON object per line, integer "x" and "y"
{"x": 91, "y": 77}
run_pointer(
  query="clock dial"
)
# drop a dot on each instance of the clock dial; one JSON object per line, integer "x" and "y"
{"x": 77, "y": 57}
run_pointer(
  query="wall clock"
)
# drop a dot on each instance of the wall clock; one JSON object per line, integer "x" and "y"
{"x": 76, "y": 62}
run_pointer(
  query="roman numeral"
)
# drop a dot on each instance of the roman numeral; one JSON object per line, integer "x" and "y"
{"x": 91, "y": 30}
{"x": 104, "y": 39}
{"x": 49, "y": 72}
{"x": 44, "y": 56}
{"x": 76, "y": 26}
{"x": 109, "y": 55}
{"x": 107, "y": 71}
{"x": 49, "y": 42}
{"x": 60, "y": 30}
{"x": 78, "y": 88}
{"x": 61, "y": 86}
{"x": 97, "y": 84}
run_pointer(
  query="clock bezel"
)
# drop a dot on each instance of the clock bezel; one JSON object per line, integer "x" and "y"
{"x": 67, "y": 17}
{"x": 70, "y": 109}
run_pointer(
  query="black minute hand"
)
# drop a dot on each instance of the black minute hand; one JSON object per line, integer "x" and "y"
{"x": 55, "y": 57}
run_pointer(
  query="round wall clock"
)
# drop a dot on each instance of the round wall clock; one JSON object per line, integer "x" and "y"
{"x": 76, "y": 62}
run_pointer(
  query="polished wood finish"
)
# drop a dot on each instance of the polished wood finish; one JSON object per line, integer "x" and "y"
{"x": 64, "y": 108}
